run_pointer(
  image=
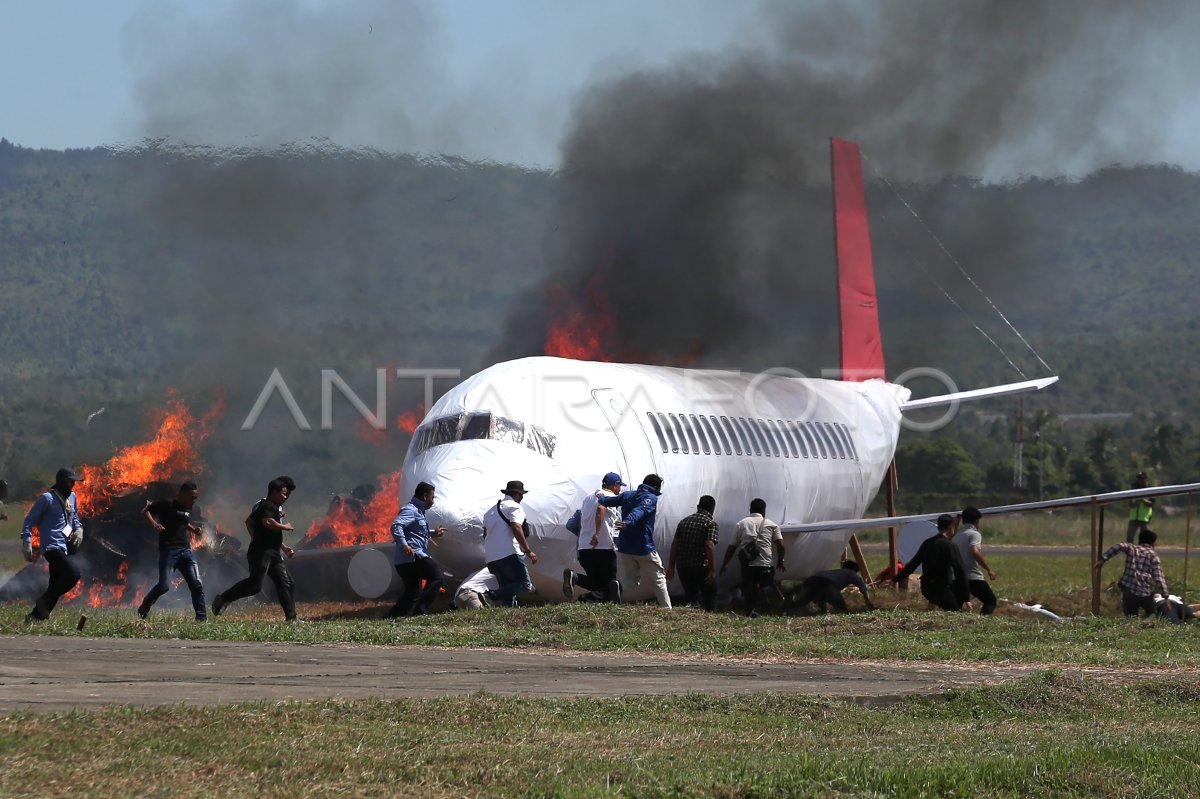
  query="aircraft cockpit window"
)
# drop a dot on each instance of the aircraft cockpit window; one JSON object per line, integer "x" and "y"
{"x": 658, "y": 431}
{"x": 475, "y": 426}
{"x": 539, "y": 441}
{"x": 508, "y": 430}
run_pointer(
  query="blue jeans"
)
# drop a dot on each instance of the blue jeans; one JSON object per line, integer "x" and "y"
{"x": 513, "y": 577}
{"x": 182, "y": 560}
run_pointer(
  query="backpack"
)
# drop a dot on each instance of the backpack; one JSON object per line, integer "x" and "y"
{"x": 748, "y": 550}
{"x": 575, "y": 523}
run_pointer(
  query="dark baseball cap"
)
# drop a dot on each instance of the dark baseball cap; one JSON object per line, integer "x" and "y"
{"x": 67, "y": 474}
{"x": 612, "y": 478}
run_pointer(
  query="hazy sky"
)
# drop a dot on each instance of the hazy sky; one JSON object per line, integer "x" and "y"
{"x": 1036, "y": 87}
{"x": 482, "y": 78}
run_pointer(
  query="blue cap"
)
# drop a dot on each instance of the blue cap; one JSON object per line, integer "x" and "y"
{"x": 611, "y": 478}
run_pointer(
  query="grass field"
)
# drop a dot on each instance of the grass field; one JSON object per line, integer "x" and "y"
{"x": 901, "y": 629}
{"x": 1051, "y": 734}
{"x": 1057, "y": 733}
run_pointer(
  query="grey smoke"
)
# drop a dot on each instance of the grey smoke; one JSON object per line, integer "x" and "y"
{"x": 700, "y": 191}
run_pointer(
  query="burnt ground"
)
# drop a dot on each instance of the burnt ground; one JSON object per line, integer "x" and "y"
{"x": 47, "y": 673}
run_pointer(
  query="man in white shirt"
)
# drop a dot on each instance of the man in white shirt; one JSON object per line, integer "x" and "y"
{"x": 504, "y": 542}
{"x": 597, "y": 527}
{"x": 476, "y": 591}
{"x": 763, "y": 542}
{"x": 970, "y": 546}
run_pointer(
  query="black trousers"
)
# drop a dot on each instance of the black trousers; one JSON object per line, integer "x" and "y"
{"x": 64, "y": 575}
{"x": 984, "y": 593}
{"x": 696, "y": 589}
{"x": 941, "y": 594}
{"x": 754, "y": 579}
{"x": 601, "y": 568}
{"x": 265, "y": 562}
{"x": 1133, "y": 528}
{"x": 412, "y": 574}
{"x": 1132, "y": 603}
{"x": 823, "y": 592}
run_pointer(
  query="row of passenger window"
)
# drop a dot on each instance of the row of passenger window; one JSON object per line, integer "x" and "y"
{"x": 692, "y": 433}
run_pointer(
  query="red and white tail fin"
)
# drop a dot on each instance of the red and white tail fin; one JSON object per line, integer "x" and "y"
{"x": 862, "y": 344}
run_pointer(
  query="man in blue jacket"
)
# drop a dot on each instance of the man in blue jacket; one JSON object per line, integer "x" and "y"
{"x": 413, "y": 562}
{"x": 635, "y": 542}
{"x": 56, "y": 516}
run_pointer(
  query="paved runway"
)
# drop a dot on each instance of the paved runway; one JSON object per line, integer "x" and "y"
{"x": 45, "y": 673}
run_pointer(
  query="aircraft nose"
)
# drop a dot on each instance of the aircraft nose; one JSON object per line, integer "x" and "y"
{"x": 469, "y": 477}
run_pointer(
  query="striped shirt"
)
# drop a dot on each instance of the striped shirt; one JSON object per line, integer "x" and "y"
{"x": 1143, "y": 569}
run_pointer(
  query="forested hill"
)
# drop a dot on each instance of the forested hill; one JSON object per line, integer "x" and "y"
{"x": 125, "y": 273}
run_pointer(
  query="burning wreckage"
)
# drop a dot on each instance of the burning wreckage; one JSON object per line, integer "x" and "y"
{"x": 340, "y": 558}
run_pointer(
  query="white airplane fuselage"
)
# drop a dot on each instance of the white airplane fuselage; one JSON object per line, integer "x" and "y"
{"x": 812, "y": 449}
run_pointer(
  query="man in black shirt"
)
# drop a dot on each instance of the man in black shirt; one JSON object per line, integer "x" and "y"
{"x": 176, "y": 520}
{"x": 825, "y": 588}
{"x": 694, "y": 555}
{"x": 944, "y": 577}
{"x": 265, "y": 554}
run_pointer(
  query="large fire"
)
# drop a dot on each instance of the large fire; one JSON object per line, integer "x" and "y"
{"x": 586, "y": 333}
{"x": 115, "y": 593}
{"x": 349, "y": 522}
{"x": 170, "y": 453}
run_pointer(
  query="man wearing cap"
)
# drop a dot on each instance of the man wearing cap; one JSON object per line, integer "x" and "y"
{"x": 56, "y": 516}
{"x": 598, "y": 526}
{"x": 694, "y": 554}
{"x": 504, "y": 542}
{"x": 943, "y": 576}
{"x": 635, "y": 541}
{"x": 1141, "y": 510}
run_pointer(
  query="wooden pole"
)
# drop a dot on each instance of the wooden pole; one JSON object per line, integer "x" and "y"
{"x": 1095, "y": 557}
{"x": 860, "y": 558}
{"x": 892, "y": 485}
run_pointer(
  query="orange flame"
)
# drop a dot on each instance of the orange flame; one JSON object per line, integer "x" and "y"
{"x": 409, "y": 421}
{"x": 171, "y": 452}
{"x": 586, "y": 331}
{"x": 349, "y": 524}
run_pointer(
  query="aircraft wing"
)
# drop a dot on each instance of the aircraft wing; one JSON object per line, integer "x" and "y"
{"x": 1021, "y": 507}
{"x": 979, "y": 393}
